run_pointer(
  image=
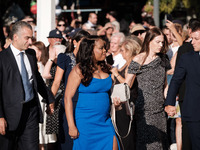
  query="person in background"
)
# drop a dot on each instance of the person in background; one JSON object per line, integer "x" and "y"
{"x": 65, "y": 63}
{"x": 92, "y": 127}
{"x": 172, "y": 54}
{"x": 131, "y": 25}
{"x": 61, "y": 25}
{"x": 55, "y": 36}
{"x": 91, "y": 23}
{"x": 108, "y": 30}
{"x": 41, "y": 55}
{"x": 129, "y": 49}
{"x": 7, "y": 43}
{"x": 115, "y": 45}
{"x": 150, "y": 66}
{"x": 167, "y": 32}
{"x": 112, "y": 17}
{"x": 52, "y": 121}
{"x": 171, "y": 124}
{"x": 20, "y": 80}
{"x": 139, "y": 31}
{"x": 148, "y": 22}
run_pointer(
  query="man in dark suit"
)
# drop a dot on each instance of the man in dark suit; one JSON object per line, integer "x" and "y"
{"x": 20, "y": 81}
{"x": 186, "y": 47}
{"x": 188, "y": 69}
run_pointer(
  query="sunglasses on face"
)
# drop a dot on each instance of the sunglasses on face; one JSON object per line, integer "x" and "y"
{"x": 61, "y": 25}
{"x": 136, "y": 33}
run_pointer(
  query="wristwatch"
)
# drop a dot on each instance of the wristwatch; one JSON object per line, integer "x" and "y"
{"x": 50, "y": 60}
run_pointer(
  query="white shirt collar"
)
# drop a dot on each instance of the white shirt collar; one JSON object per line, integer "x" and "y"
{"x": 15, "y": 50}
{"x": 90, "y": 23}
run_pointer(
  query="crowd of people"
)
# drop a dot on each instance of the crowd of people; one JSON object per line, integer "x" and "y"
{"x": 58, "y": 96}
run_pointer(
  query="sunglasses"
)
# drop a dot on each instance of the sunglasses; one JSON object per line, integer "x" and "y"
{"x": 61, "y": 25}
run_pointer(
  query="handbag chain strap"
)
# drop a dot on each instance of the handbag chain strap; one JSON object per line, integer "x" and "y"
{"x": 114, "y": 122}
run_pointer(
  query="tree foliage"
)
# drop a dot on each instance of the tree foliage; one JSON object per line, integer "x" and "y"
{"x": 187, "y": 3}
{"x": 168, "y": 6}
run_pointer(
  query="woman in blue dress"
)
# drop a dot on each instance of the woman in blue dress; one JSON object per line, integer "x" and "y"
{"x": 65, "y": 63}
{"x": 92, "y": 127}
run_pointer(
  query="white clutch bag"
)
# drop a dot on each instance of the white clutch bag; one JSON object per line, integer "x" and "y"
{"x": 121, "y": 90}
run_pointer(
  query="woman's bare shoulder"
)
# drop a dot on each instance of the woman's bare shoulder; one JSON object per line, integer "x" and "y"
{"x": 139, "y": 58}
{"x": 76, "y": 71}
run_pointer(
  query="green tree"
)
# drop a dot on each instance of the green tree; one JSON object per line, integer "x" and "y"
{"x": 167, "y": 6}
{"x": 187, "y": 3}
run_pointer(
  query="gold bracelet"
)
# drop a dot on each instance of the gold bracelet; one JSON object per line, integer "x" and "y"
{"x": 117, "y": 76}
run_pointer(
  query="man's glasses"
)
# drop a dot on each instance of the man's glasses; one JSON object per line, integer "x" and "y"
{"x": 61, "y": 25}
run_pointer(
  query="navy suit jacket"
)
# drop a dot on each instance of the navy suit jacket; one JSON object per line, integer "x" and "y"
{"x": 11, "y": 87}
{"x": 188, "y": 69}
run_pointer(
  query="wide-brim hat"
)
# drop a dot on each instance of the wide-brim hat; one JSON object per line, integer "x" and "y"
{"x": 55, "y": 34}
{"x": 137, "y": 27}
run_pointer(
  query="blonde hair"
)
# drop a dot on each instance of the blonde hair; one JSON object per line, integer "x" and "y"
{"x": 132, "y": 46}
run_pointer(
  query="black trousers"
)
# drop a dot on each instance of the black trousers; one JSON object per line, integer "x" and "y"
{"x": 26, "y": 136}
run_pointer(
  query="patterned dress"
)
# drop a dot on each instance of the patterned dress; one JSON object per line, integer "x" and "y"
{"x": 151, "y": 121}
{"x": 52, "y": 121}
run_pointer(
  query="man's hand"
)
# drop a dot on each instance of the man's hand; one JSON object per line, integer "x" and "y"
{"x": 3, "y": 126}
{"x": 170, "y": 110}
{"x": 50, "y": 109}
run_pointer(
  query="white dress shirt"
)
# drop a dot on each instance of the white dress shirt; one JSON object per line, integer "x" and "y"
{"x": 16, "y": 54}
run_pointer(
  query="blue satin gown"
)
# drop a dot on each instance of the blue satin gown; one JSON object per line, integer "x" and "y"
{"x": 92, "y": 116}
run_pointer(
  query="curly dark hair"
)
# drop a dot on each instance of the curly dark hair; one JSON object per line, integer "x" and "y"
{"x": 86, "y": 61}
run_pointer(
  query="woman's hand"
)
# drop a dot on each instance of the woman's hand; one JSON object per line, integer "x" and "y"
{"x": 73, "y": 132}
{"x": 170, "y": 25}
{"x": 116, "y": 101}
{"x": 115, "y": 71}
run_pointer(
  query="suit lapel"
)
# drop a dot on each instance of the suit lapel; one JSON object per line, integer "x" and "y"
{"x": 14, "y": 65}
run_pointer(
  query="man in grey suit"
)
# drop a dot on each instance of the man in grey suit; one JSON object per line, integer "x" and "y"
{"x": 20, "y": 81}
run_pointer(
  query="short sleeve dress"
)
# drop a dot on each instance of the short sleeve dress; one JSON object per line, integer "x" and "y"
{"x": 151, "y": 121}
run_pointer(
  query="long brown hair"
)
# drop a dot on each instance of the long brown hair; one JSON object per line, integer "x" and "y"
{"x": 150, "y": 35}
{"x": 44, "y": 56}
